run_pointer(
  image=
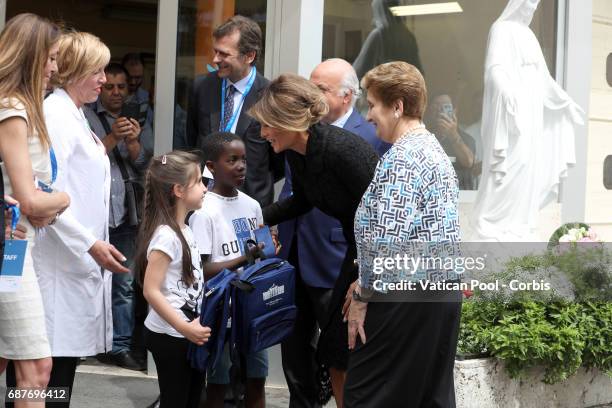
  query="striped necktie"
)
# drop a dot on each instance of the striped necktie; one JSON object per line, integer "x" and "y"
{"x": 228, "y": 106}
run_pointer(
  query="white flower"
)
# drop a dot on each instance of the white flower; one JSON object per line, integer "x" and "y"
{"x": 566, "y": 238}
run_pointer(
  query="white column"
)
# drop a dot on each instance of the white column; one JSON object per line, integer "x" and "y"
{"x": 294, "y": 36}
{"x": 577, "y": 80}
{"x": 165, "y": 74}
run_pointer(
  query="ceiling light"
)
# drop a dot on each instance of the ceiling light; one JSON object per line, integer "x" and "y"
{"x": 423, "y": 9}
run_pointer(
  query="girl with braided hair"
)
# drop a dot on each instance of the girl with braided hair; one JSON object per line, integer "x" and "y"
{"x": 169, "y": 267}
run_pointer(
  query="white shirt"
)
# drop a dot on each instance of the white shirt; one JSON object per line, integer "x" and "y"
{"x": 238, "y": 94}
{"x": 341, "y": 121}
{"x": 175, "y": 290}
{"x": 223, "y": 224}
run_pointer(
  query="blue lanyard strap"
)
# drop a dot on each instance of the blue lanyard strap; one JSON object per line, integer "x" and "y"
{"x": 230, "y": 123}
{"x": 53, "y": 165}
{"x": 47, "y": 187}
{"x": 16, "y": 214}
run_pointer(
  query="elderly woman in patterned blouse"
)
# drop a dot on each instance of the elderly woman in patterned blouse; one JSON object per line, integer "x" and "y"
{"x": 408, "y": 357}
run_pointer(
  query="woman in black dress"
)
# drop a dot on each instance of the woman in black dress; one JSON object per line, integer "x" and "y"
{"x": 331, "y": 168}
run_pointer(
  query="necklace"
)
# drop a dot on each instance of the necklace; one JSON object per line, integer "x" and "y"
{"x": 409, "y": 131}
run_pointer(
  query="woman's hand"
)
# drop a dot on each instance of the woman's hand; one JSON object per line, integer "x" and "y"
{"x": 20, "y": 231}
{"x": 196, "y": 333}
{"x": 108, "y": 257}
{"x": 347, "y": 300}
{"x": 356, "y": 318}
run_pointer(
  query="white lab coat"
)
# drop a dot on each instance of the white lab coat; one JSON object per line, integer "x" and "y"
{"x": 76, "y": 291}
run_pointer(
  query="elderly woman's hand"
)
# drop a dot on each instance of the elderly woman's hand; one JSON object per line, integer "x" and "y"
{"x": 356, "y": 319}
{"x": 347, "y": 299}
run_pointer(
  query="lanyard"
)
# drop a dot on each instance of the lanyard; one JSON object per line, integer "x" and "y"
{"x": 53, "y": 165}
{"x": 43, "y": 186}
{"x": 230, "y": 124}
{"x": 16, "y": 214}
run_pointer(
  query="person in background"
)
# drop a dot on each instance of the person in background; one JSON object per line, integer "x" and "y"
{"x": 125, "y": 146}
{"x": 330, "y": 170}
{"x": 314, "y": 243}
{"x": 73, "y": 258}
{"x": 28, "y": 48}
{"x": 134, "y": 65}
{"x": 441, "y": 118}
{"x": 403, "y": 350}
{"x": 169, "y": 267}
{"x": 221, "y": 228}
{"x": 220, "y": 102}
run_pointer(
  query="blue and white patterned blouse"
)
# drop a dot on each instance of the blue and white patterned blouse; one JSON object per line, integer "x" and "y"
{"x": 411, "y": 199}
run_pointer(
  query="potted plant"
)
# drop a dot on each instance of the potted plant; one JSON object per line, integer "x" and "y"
{"x": 542, "y": 349}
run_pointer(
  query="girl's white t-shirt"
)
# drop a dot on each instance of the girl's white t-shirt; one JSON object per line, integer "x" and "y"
{"x": 177, "y": 292}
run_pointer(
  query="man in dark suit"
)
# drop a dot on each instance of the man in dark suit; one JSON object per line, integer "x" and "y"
{"x": 220, "y": 101}
{"x": 314, "y": 242}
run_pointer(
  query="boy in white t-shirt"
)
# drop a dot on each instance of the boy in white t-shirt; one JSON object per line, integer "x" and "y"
{"x": 221, "y": 227}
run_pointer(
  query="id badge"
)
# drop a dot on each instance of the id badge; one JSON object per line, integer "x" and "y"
{"x": 12, "y": 265}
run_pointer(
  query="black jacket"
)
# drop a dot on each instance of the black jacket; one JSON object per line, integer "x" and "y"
{"x": 204, "y": 116}
{"x": 332, "y": 176}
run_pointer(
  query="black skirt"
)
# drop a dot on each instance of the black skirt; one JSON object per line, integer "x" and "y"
{"x": 408, "y": 358}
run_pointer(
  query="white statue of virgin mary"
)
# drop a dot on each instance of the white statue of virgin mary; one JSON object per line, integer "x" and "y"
{"x": 528, "y": 126}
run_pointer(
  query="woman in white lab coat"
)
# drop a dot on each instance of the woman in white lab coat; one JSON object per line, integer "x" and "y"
{"x": 73, "y": 257}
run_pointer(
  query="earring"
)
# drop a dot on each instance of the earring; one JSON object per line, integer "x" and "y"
{"x": 396, "y": 115}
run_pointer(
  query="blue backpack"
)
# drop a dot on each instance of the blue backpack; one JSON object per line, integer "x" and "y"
{"x": 214, "y": 314}
{"x": 262, "y": 309}
{"x": 263, "y": 305}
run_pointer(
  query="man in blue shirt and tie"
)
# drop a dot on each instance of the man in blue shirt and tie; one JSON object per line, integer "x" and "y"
{"x": 220, "y": 102}
{"x": 314, "y": 243}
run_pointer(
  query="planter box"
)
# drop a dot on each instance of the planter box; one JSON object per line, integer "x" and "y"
{"x": 484, "y": 383}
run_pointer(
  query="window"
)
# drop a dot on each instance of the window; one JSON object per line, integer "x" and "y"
{"x": 449, "y": 48}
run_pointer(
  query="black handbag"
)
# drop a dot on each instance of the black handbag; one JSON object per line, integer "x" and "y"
{"x": 134, "y": 191}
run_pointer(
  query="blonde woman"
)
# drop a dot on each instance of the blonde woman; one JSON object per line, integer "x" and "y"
{"x": 28, "y": 47}
{"x": 73, "y": 259}
{"x": 330, "y": 168}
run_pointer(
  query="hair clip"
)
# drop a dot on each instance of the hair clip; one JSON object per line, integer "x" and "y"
{"x": 164, "y": 159}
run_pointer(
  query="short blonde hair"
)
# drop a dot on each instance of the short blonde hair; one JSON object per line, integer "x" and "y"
{"x": 290, "y": 102}
{"x": 398, "y": 80}
{"x": 80, "y": 54}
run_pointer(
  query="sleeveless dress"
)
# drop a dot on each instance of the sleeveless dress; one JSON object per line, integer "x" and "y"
{"x": 23, "y": 334}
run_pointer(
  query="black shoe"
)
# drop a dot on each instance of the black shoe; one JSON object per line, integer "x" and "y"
{"x": 155, "y": 404}
{"x": 140, "y": 355}
{"x": 125, "y": 359}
